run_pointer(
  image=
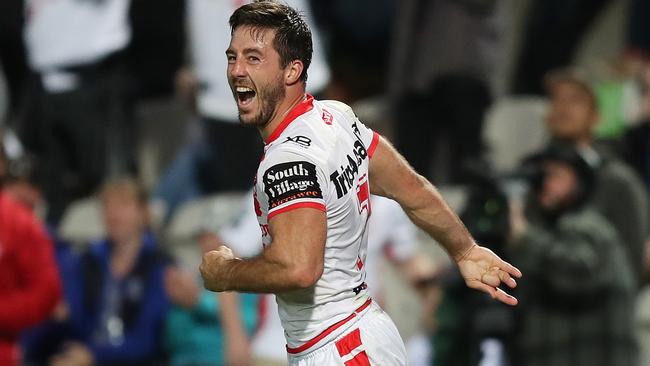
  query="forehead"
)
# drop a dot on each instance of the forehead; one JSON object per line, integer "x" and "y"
{"x": 246, "y": 36}
{"x": 558, "y": 167}
{"x": 568, "y": 88}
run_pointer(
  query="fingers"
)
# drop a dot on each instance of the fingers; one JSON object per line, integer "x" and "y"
{"x": 505, "y": 298}
{"x": 495, "y": 277}
{"x": 512, "y": 270}
{"x": 505, "y": 278}
{"x": 494, "y": 292}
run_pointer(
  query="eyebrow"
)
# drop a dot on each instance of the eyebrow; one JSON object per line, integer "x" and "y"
{"x": 245, "y": 51}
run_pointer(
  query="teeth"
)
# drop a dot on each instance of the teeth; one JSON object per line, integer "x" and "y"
{"x": 243, "y": 89}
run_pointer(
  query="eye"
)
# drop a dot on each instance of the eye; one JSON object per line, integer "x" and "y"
{"x": 230, "y": 58}
{"x": 253, "y": 59}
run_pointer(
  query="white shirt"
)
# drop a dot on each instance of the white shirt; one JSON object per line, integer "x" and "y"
{"x": 318, "y": 157}
{"x": 61, "y": 33}
{"x": 209, "y": 37}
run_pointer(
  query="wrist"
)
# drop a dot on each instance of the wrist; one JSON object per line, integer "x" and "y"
{"x": 229, "y": 273}
{"x": 463, "y": 254}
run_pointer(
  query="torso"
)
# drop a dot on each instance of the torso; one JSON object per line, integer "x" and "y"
{"x": 318, "y": 158}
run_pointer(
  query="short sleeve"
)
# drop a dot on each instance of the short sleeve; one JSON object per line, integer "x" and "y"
{"x": 292, "y": 180}
{"x": 368, "y": 137}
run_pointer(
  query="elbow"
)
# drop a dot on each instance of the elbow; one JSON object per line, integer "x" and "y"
{"x": 306, "y": 277}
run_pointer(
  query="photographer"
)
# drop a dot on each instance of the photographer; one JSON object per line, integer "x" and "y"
{"x": 577, "y": 299}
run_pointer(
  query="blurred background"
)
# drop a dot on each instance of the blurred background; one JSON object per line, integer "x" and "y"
{"x": 122, "y": 161}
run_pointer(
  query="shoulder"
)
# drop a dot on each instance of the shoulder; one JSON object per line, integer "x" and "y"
{"x": 338, "y": 111}
{"x": 17, "y": 219}
{"x": 299, "y": 144}
{"x": 588, "y": 221}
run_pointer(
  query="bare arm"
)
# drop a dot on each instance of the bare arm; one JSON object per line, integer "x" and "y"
{"x": 392, "y": 177}
{"x": 294, "y": 260}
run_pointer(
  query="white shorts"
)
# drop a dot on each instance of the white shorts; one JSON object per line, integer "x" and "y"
{"x": 370, "y": 338}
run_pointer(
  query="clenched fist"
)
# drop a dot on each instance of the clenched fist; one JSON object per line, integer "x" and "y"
{"x": 213, "y": 268}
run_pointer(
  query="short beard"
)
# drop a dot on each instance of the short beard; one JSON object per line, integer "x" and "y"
{"x": 269, "y": 98}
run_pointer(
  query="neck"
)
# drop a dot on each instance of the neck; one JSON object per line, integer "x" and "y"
{"x": 124, "y": 254}
{"x": 290, "y": 101}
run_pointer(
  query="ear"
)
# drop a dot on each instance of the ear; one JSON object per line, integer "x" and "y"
{"x": 293, "y": 72}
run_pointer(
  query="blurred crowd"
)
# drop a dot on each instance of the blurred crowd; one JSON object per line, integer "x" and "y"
{"x": 121, "y": 108}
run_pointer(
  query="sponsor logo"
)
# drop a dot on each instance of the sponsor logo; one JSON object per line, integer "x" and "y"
{"x": 327, "y": 117}
{"x": 344, "y": 177}
{"x": 286, "y": 182}
{"x": 363, "y": 194}
{"x": 303, "y": 141}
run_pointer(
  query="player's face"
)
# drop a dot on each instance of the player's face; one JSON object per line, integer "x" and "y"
{"x": 571, "y": 114}
{"x": 255, "y": 74}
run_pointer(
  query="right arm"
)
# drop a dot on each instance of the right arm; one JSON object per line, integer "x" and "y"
{"x": 392, "y": 177}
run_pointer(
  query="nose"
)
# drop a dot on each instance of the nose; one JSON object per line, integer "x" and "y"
{"x": 237, "y": 68}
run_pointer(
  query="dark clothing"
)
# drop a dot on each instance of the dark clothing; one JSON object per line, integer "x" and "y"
{"x": 29, "y": 283}
{"x": 638, "y": 32}
{"x": 156, "y": 50}
{"x": 577, "y": 299}
{"x": 465, "y": 320}
{"x": 12, "y": 52}
{"x": 444, "y": 56}
{"x": 446, "y": 121}
{"x": 230, "y": 157}
{"x": 120, "y": 320}
{"x": 554, "y": 29}
{"x": 637, "y": 150}
{"x": 82, "y": 135}
{"x": 621, "y": 198}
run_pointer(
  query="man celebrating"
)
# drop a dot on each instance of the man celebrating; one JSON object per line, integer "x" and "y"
{"x": 311, "y": 197}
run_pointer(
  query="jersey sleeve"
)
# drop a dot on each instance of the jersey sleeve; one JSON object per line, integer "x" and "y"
{"x": 368, "y": 137}
{"x": 292, "y": 180}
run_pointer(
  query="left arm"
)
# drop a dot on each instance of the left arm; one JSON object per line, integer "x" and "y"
{"x": 294, "y": 260}
{"x": 392, "y": 177}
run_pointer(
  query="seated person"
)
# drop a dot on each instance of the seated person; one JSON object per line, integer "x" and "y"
{"x": 204, "y": 328}
{"x": 115, "y": 300}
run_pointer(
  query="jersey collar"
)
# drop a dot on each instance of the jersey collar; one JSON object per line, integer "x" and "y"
{"x": 303, "y": 107}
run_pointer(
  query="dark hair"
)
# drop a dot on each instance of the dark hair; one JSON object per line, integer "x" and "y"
{"x": 292, "y": 35}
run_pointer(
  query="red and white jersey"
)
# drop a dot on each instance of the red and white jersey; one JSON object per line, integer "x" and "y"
{"x": 318, "y": 158}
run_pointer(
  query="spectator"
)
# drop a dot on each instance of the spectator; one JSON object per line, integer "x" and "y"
{"x": 204, "y": 328}
{"x": 553, "y": 32}
{"x": 637, "y": 139}
{"x": 357, "y": 42}
{"x": 581, "y": 311}
{"x": 84, "y": 130}
{"x": 619, "y": 194}
{"x": 29, "y": 283}
{"x": 22, "y": 182}
{"x": 115, "y": 295}
{"x": 12, "y": 55}
{"x": 444, "y": 57}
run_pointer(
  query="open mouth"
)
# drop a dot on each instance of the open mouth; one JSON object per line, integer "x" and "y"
{"x": 245, "y": 95}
